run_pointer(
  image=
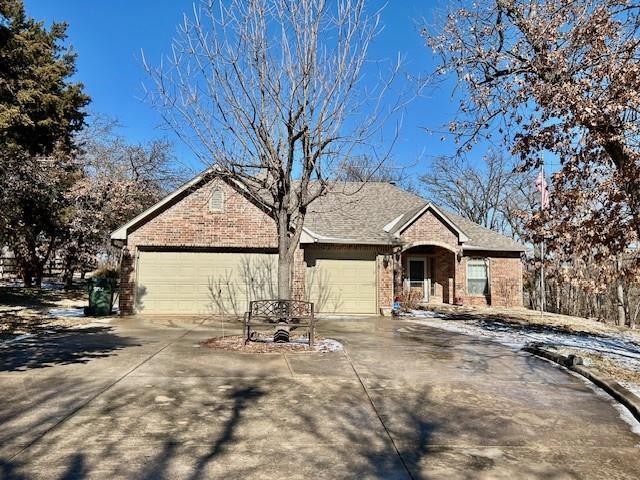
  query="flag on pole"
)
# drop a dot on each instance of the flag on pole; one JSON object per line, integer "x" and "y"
{"x": 542, "y": 187}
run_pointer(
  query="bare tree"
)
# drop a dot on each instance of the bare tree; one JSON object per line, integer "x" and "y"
{"x": 366, "y": 169}
{"x": 491, "y": 193}
{"x": 269, "y": 92}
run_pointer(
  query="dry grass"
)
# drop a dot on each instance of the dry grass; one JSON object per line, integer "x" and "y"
{"x": 411, "y": 300}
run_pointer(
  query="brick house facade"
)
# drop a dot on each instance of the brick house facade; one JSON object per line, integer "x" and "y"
{"x": 185, "y": 222}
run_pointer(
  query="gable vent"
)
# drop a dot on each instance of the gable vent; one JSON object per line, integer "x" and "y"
{"x": 216, "y": 202}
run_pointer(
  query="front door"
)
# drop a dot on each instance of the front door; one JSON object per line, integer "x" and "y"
{"x": 417, "y": 267}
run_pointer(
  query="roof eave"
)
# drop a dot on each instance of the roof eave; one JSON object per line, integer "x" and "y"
{"x": 493, "y": 249}
{"x": 310, "y": 237}
{"x": 348, "y": 241}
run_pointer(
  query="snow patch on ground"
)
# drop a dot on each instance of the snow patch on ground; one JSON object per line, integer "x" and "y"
{"x": 330, "y": 345}
{"x": 632, "y": 387}
{"x": 422, "y": 314}
{"x": 20, "y": 284}
{"x": 17, "y": 338}
{"x": 507, "y": 337}
{"x": 96, "y": 322}
{"x": 326, "y": 345}
{"x": 66, "y": 312}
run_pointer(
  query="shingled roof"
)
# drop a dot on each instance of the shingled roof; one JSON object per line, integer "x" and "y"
{"x": 360, "y": 213}
{"x": 375, "y": 212}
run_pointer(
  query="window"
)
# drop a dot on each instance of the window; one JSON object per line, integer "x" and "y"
{"x": 416, "y": 273}
{"x": 477, "y": 276}
{"x": 216, "y": 202}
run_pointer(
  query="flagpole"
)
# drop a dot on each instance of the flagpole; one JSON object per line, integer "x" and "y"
{"x": 542, "y": 290}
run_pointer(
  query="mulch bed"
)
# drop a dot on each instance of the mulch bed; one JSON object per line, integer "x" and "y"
{"x": 264, "y": 344}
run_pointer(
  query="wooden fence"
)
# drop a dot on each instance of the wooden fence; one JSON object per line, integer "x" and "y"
{"x": 9, "y": 267}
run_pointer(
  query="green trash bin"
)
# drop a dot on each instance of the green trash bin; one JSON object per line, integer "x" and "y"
{"x": 101, "y": 290}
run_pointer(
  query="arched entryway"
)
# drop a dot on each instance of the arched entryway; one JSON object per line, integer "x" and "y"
{"x": 428, "y": 270}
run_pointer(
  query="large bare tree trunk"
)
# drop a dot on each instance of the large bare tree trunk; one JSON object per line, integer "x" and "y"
{"x": 285, "y": 260}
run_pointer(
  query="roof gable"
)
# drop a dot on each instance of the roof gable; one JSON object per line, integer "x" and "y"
{"x": 183, "y": 193}
{"x": 411, "y": 216}
{"x": 122, "y": 232}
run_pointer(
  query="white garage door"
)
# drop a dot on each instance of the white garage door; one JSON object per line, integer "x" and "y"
{"x": 203, "y": 282}
{"x": 341, "y": 282}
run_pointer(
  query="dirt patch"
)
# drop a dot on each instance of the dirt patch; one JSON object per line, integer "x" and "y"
{"x": 39, "y": 300}
{"x": 263, "y": 344}
{"x": 12, "y": 325}
{"x": 27, "y": 310}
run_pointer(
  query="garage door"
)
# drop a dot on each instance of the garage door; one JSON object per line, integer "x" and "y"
{"x": 341, "y": 282}
{"x": 203, "y": 282}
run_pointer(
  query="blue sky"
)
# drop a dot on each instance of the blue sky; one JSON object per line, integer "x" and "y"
{"x": 109, "y": 36}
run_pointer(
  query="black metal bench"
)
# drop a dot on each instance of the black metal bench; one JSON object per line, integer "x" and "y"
{"x": 288, "y": 313}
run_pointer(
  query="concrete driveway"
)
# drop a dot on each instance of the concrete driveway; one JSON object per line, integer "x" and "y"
{"x": 138, "y": 398}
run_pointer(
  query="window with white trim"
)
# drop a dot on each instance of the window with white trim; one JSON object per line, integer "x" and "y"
{"x": 478, "y": 276}
{"x": 216, "y": 202}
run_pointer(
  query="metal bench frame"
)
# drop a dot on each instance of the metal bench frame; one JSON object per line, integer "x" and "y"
{"x": 290, "y": 313}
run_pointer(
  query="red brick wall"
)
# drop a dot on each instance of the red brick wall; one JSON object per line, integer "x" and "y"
{"x": 505, "y": 278}
{"x": 460, "y": 266}
{"x": 190, "y": 223}
{"x": 505, "y": 281}
{"x": 444, "y": 275}
{"x": 430, "y": 228}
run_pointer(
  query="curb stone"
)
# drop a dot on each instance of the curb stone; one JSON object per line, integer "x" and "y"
{"x": 609, "y": 385}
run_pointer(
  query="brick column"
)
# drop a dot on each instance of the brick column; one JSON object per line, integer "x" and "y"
{"x": 460, "y": 277}
{"x": 127, "y": 282}
{"x": 385, "y": 280}
{"x": 398, "y": 273}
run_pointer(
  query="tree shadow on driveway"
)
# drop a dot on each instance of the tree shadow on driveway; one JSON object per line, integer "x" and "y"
{"x": 258, "y": 428}
{"x": 61, "y": 346}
